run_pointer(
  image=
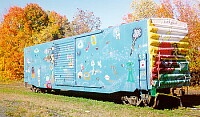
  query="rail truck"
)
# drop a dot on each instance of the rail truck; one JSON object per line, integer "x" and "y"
{"x": 137, "y": 60}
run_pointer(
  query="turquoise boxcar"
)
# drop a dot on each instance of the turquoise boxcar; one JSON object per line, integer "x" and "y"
{"x": 140, "y": 59}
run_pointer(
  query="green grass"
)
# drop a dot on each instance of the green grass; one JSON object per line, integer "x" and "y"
{"x": 19, "y": 101}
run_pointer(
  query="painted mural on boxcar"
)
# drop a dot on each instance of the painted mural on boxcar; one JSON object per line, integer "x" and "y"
{"x": 109, "y": 59}
{"x": 120, "y": 58}
{"x": 40, "y": 65}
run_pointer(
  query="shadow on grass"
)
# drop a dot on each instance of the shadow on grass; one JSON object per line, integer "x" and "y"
{"x": 187, "y": 100}
{"x": 190, "y": 100}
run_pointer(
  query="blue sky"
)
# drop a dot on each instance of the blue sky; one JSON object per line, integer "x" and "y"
{"x": 110, "y": 12}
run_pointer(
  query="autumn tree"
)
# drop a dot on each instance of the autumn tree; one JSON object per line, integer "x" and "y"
{"x": 57, "y": 27}
{"x": 36, "y": 16}
{"x": 141, "y": 9}
{"x": 165, "y": 9}
{"x": 194, "y": 52}
{"x": 13, "y": 38}
{"x": 84, "y": 21}
{"x": 22, "y": 27}
{"x": 46, "y": 25}
{"x": 128, "y": 18}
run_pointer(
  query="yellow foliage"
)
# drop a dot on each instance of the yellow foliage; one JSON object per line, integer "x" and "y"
{"x": 24, "y": 27}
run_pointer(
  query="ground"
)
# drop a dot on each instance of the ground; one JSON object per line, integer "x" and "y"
{"x": 18, "y": 101}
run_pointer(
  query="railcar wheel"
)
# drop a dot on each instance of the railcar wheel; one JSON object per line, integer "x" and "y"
{"x": 139, "y": 102}
{"x": 132, "y": 100}
{"x": 38, "y": 90}
{"x": 33, "y": 89}
{"x": 146, "y": 100}
{"x": 125, "y": 100}
{"x": 151, "y": 101}
{"x": 42, "y": 90}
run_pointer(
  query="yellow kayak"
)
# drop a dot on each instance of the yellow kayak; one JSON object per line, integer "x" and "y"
{"x": 177, "y": 44}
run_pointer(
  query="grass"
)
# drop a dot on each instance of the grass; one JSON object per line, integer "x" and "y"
{"x": 18, "y": 101}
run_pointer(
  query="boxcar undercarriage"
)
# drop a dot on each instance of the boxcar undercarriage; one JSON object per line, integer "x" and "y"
{"x": 165, "y": 98}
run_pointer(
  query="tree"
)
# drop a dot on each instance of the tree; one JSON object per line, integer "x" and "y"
{"x": 12, "y": 40}
{"x": 59, "y": 24}
{"x": 84, "y": 21}
{"x": 36, "y": 16}
{"x": 57, "y": 27}
{"x": 23, "y": 27}
{"x": 185, "y": 12}
{"x": 194, "y": 53}
{"x": 143, "y": 9}
{"x": 165, "y": 9}
{"x": 128, "y": 18}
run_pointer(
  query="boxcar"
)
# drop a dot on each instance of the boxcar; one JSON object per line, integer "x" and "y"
{"x": 141, "y": 59}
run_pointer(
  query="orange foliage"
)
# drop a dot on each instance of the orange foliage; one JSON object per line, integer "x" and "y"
{"x": 128, "y": 18}
{"x": 20, "y": 28}
{"x": 165, "y": 9}
{"x": 36, "y": 16}
{"x": 12, "y": 43}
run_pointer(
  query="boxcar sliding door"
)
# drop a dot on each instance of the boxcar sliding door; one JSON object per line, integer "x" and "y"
{"x": 65, "y": 62}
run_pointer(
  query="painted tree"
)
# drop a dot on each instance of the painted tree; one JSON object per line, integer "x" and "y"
{"x": 84, "y": 21}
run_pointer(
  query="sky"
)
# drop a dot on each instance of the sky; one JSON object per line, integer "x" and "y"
{"x": 111, "y": 12}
